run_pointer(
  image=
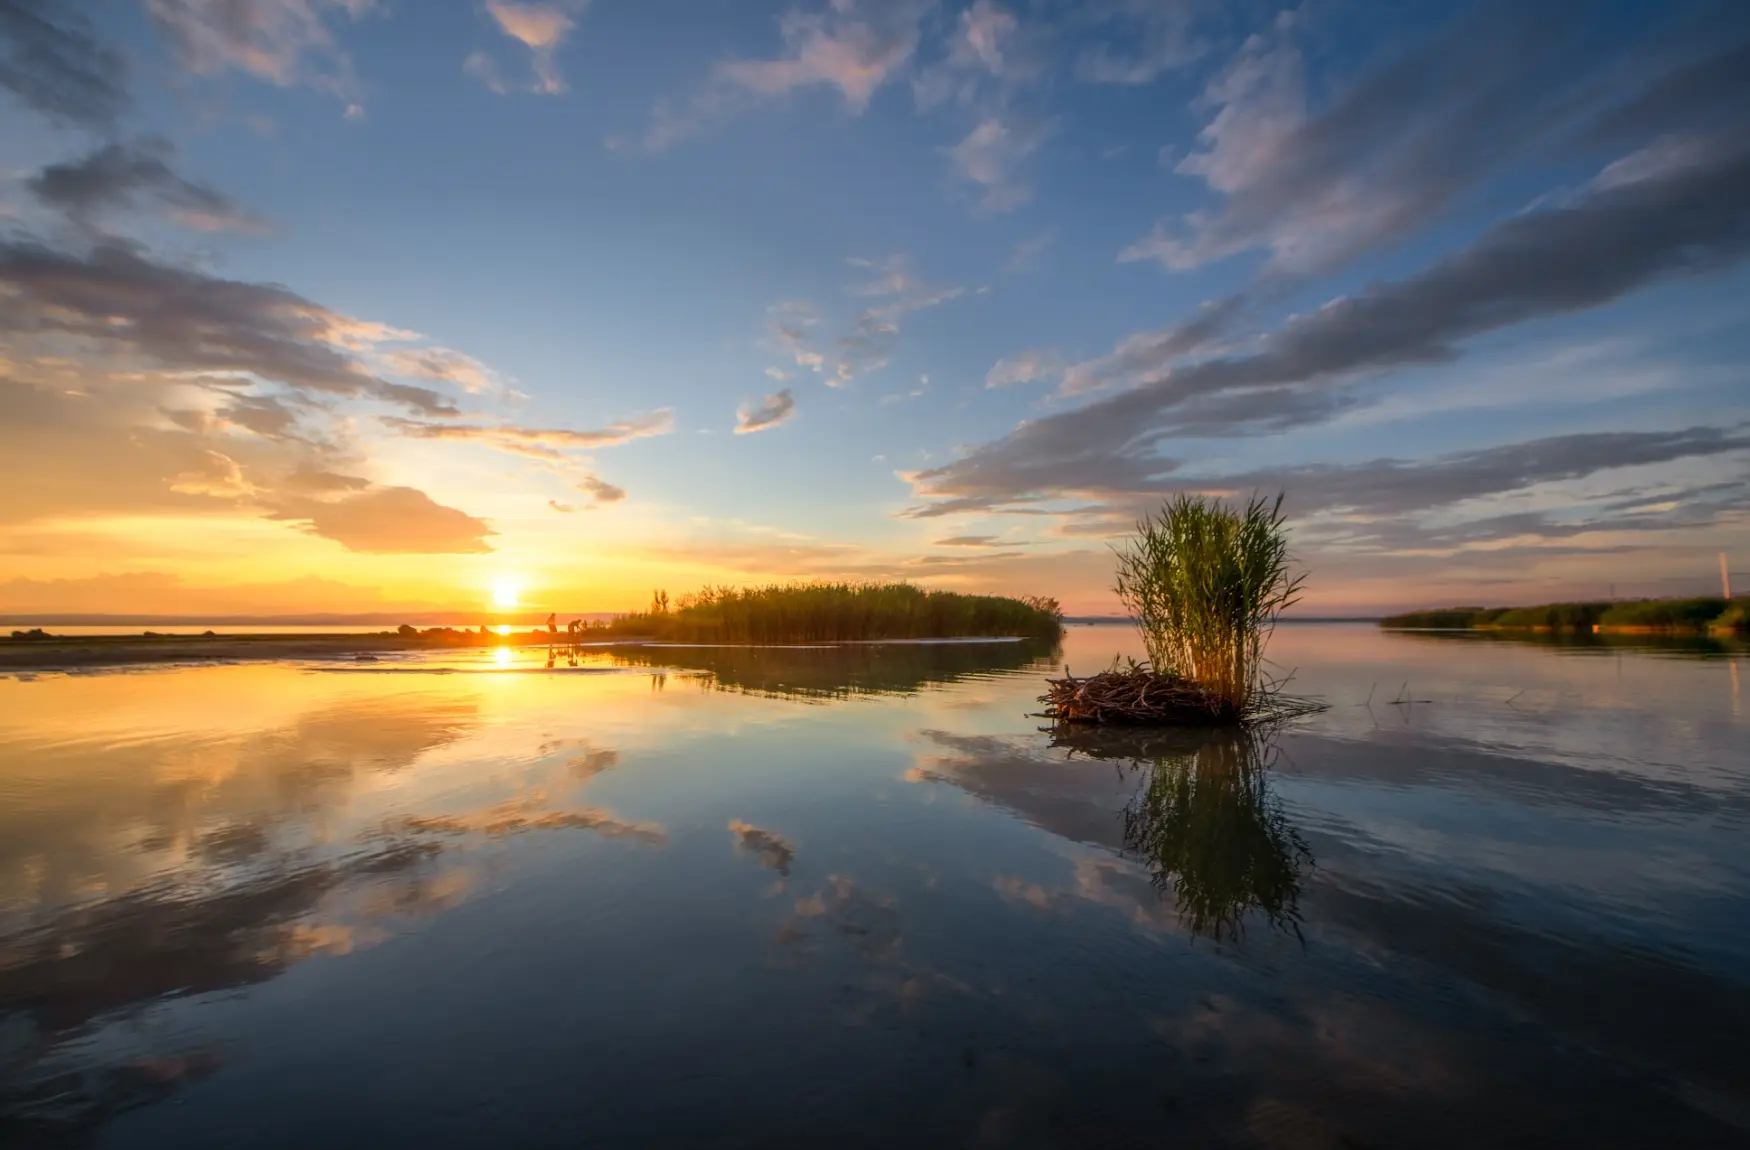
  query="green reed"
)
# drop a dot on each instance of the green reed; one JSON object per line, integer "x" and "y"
{"x": 1206, "y": 582}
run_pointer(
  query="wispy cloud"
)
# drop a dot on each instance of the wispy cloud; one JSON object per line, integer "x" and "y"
{"x": 1156, "y": 36}
{"x": 776, "y": 408}
{"x": 542, "y": 28}
{"x": 284, "y": 42}
{"x": 991, "y": 156}
{"x": 1027, "y": 251}
{"x": 1595, "y": 250}
{"x": 121, "y": 176}
{"x": 873, "y": 331}
{"x": 1317, "y": 186}
{"x": 53, "y": 61}
{"x": 1027, "y": 367}
{"x": 121, "y": 302}
{"x": 443, "y": 365}
{"x": 855, "y": 46}
{"x": 539, "y": 442}
{"x": 600, "y": 490}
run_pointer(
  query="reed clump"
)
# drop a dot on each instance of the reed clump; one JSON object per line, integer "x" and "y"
{"x": 1206, "y": 582}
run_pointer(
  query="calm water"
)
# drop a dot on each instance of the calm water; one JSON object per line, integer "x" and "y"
{"x": 854, "y": 897}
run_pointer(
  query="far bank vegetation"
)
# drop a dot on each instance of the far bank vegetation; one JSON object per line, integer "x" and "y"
{"x": 1703, "y": 613}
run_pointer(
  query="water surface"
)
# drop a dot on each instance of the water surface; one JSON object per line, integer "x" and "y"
{"x": 1498, "y": 895}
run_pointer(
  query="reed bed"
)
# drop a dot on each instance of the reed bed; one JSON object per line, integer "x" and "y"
{"x": 792, "y": 613}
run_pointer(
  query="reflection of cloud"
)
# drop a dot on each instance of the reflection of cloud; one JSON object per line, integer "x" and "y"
{"x": 126, "y": 951}
{"x": 517, "y": 816}
{"x": 770, "y": 847}
{"x": 1077, "y": 799}
{"x": 592, "y": 763}
{"x": 112, "y": 811}
{"x": 865, "y": 920}
{"x": 1017, "y": 889}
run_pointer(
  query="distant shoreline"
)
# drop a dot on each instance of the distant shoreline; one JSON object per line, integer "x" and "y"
{"x": 1698, "y": 615}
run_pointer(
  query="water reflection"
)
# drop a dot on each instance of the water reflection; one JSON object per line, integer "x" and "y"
{"x": 1204, "y": 821}
{"x": 1671, "y": 643}
{"x": 846, "y": 671}
{"x": 463, "y": 909}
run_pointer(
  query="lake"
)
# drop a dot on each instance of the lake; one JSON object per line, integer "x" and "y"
{"x": 1497, "y": 895}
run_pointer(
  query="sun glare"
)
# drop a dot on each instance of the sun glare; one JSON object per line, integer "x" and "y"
{"x": 505, "y": 593}
{"x": 502, "y": 656}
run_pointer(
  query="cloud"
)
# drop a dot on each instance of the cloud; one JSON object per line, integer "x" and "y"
{"x": 284, "y": 42}
{"x": 1592, "y": 251}
{"x": 539, "y": 442}
{"x": 484, "y": 69}
{"x": 562, "y": 508}
{"x": 991, "y": 55}
{"x": 969, "y": 541}
{"x": 1026, "y": 367}
{"x": 1156, "y": 36}
{"x": 1395, "y": 487}
{"x": 542, "y": 28}
{"x": 120, "y": 303}
{"x": 990, "y": 154}
{"x": 600, "y": 490}
{"x": 855, "y": 46}
{"x": 1418, "y": 131}
{"x": 776, "y": 408}
{"x": 216, "y": 474}
{"x": 851, "y": 46}
{"x": 443, "y": 365}
{"x": 121, "y": 175}
{"x": 52, "y": 61}
{"x": 874, "y": 330}
{"x": 1149, "y": 352}
{"x": 388, "y": 520}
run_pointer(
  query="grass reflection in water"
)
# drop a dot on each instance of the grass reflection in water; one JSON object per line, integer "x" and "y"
{"x": 1205, "y": 823}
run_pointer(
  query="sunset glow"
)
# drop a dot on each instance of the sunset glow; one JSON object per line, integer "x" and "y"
{"x": 943, "y": 292}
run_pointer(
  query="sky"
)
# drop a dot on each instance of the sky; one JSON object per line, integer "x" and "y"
{"x": 333, "y": 306}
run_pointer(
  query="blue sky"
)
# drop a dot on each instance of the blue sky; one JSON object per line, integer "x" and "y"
{"x": 597, "y": 296}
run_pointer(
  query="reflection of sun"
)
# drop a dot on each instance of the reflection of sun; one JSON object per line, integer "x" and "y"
{"x": 504, "y": 592}
{"x": 502, "y": 656}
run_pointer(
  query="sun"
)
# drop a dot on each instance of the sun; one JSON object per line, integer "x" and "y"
{"x": 505, "y": 593}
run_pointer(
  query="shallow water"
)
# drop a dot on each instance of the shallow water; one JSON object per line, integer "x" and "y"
{"x": 1498, "y": 894}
